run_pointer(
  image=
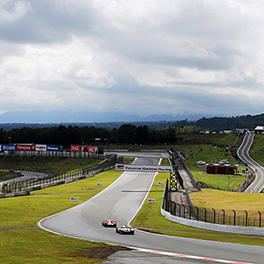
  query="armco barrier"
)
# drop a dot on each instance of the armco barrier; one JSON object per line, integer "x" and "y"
{"x": 21, "y": 187}
{"x": 214, "y": 227}
{"x": 211, "y": 219}
{"x": 60, "y": 154}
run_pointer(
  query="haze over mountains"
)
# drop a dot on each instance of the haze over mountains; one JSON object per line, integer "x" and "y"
{"x": 87, "y": 117}
{"x": 113, "y": 120}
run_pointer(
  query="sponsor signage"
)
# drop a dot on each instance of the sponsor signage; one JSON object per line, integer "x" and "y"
{"x": 53, "y": 148}
{"x": 143, "y": 168}
{"x": 79, "y": 148}
{"x": 25, "y": 147}
{"x": 41, "y": 147}
{"x": 76, "y": 148}
{"x": 90, "y": 149}
{"x": 8, "y": 147}
{"x": 151, "y": 200}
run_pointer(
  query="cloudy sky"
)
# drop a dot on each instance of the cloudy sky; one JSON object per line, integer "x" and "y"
{"x": 140, "y": 57}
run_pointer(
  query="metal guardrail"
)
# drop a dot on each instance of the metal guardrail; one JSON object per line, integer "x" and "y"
{"x": 24, "y": 186}
{"x": 59, "y": 154}
{"x": 211, "y": 215}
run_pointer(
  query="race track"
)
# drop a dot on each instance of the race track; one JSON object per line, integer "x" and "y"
{"x": 121, "y": 201}
{"x": 243, "y": 153}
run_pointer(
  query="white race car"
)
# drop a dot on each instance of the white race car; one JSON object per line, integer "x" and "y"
{"x": 125, "y": 229}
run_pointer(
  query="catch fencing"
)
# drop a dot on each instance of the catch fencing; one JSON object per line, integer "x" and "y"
{"x": 212, "y": 215}
{"x": 59, "y": 154}
{"x": 25, "y": 186}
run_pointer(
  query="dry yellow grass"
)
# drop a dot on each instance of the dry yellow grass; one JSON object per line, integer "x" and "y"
{"x": 251, "y": 202}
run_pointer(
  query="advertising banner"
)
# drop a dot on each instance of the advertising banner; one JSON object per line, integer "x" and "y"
{"x": 25, "y": 147}
{"x": 143, "y": 168}
{"x": 41, "y": 147}
{"x": 53, "y": 147}
{"x": 90, "y": 149}
{"x": 8, "y": 147}
{"x": 76, "y": 148}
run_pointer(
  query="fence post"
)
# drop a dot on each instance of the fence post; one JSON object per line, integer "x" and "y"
{"x": 190, "y": 215}
{"x": 234, "y": 217}
{"x": 205, "y": 214}
{"x": 246, "y": 217}
{"x": 214, "y": 214}
{"x": 197, "y": 213}
{"x": 223, "y": 216}
{"x": 174, "y": 208}
{"x": 179, "y": 210}
{"x": 164, "y": 197}
{"x": 259, "y": 218}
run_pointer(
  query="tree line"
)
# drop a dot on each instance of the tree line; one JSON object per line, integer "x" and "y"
{"x": 89, "y": 135}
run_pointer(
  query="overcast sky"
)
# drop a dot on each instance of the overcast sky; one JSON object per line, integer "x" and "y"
{"x": 142, "y": 57}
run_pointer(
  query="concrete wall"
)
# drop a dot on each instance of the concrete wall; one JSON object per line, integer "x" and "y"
{"x": 214, "y": 227}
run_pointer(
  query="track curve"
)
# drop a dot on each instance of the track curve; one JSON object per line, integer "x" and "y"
{"x": 243, "y": 153}
{"x": 121, "y": 201}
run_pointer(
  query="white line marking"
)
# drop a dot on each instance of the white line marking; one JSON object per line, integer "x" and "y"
{"x": 156, "y": 173}
{"x": 179, "y": 255}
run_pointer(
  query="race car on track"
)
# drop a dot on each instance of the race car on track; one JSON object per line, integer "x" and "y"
{"x": 129, "y": 230}
{"x": 108, "y": 223}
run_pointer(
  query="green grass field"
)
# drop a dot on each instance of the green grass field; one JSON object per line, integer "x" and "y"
{"x": 185, "y": 139}
{"x": 50, "y": 165}
{"x": 211, "y": 154}
{"x": 38, "y": 246}
{"x": 257, "y": 150}
{"x": 214, "y": 139}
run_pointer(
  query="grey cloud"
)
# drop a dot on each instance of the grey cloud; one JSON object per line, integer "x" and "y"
{"x": 213, "y": 47}
{"x": 222, "y": 63}
{"x": 48, "y": 24}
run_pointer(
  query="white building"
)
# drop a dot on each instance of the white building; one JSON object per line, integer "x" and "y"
{"x": 259, "y": 130}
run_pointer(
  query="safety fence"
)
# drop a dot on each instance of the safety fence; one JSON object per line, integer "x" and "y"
{"x": 59, "y": 154}
{"x": 211, "y": 215}
{"x": 22, "y": 186}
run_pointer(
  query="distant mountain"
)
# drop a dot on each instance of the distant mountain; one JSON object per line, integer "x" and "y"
{"x": 220, "y": 123}
{"x": 85, "y": 116}
{"x": 12, "y": 120}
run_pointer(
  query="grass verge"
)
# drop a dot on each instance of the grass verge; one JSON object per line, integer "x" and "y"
{"x": 257, "y": 150}
{"x": 38, "y": 246}
{"x": 49, "y": 165}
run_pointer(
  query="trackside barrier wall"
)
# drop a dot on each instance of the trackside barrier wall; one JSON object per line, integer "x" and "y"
{"x": 60, "y": 154}
{"x": 218, "y": 220}
{"x": 25, "y": 186}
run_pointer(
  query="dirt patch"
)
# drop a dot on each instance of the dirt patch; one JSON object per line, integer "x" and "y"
{"x": 64, "y": 193}
{"x": 99, "y": 252}
{"x": 19, "y": 227}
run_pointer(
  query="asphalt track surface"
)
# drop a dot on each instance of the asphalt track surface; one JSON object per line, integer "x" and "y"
{"x": 243, "y": 153}
{"x": 121, "y": 201}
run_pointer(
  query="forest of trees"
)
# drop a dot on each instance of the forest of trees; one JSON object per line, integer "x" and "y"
{"x": 67, "y": 135}
{"x": 160, "y": 133}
